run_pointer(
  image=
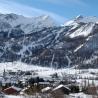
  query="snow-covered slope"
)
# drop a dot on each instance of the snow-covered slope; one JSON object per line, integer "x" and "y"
{"x": 40, "y": 41}
{"x": 85, "y": 24}
{"x": 27, "y": 23}
{"x": 83, "y": 31}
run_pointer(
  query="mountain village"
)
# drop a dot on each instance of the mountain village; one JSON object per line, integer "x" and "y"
{"x": 29, "y": 84}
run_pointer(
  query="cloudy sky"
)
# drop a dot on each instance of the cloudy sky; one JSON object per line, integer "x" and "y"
{"x": 61, "y": 10}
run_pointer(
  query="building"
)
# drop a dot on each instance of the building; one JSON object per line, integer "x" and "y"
{"x": 92, "y": 90}
{"x": 60, "y": 91}
{"x": 12, "y": 90}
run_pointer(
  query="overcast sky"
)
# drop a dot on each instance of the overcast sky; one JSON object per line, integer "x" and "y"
{"x": 61, "y": 10}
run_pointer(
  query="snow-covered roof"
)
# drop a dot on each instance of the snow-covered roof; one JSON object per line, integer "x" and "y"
{"x": 14, "y": 87}
{"x": 60, "y": 86}
{"x": 46, "y": 89}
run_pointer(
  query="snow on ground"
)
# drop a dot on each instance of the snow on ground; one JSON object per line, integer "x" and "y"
{"x": 42, "y": 71}
{"x": 20, "y": 66}
{"x": 80, "y": 95}
{"x": 76, "y": 95}
{"x": 11, "y": 96}
{"x": 46, "y": 71}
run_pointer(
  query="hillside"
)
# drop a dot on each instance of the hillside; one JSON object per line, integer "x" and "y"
{"x": 40, "y": 41}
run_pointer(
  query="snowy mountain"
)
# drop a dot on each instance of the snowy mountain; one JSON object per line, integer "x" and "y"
{"x": 88, "y": 24}
{"x": 26, "y": 23}
{"x": 40, "y": 41}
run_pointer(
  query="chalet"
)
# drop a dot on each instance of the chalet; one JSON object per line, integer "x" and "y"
{"x": 60, "y": 91}
{"x": 12, "y": 90}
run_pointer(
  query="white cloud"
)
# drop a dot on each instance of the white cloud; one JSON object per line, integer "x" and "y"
{"x": 12, "y": 7}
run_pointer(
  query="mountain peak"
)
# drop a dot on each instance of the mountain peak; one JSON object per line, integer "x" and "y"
{"x": 87, "y": 19}
{"x": 45, "y": 17}
{"x": 82, "y": 19}
{"x": 27, "y": 23}
{"x": 79, "y": 17}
